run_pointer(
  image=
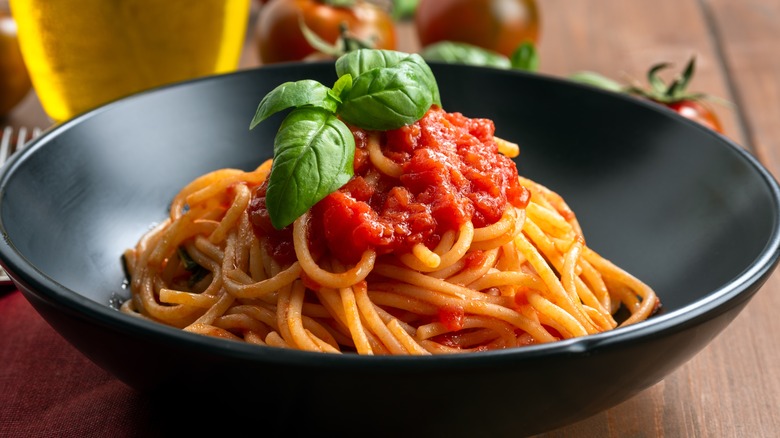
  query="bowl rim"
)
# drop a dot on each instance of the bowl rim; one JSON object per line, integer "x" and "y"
{"x": 29, "y": 279}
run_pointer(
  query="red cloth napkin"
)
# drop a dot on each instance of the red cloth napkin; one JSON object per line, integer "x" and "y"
{"x": 48, "y": 388}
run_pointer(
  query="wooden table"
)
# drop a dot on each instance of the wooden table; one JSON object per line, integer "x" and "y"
{"x": 732, "y": 388}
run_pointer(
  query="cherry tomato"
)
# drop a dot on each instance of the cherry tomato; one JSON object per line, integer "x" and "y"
{"x": 497, "y": 25}
{"x": 14, "y": 80}
{"x": 279, "y": 36}
{"x": 675, "y": 95}
{"x": 698, "y": 112}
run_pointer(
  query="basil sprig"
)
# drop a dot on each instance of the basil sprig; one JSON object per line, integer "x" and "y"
{"x": 314, "y": 149}
{"x": 524, "y": 57}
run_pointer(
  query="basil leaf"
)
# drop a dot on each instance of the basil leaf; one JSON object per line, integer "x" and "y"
{"x": 425, "y": 74}
{"x": 387, "y": 98}
{"x": 596, "y": 80}
{"x": 525, "y": 57}
{"x": 362, "y": 61}
{"x": 404, "y": 9}
{"x": 343, "y": 84}
{"x": 294, "y": 95}
{"x": 313, "y": 156}
{"x": 462, "y": 53}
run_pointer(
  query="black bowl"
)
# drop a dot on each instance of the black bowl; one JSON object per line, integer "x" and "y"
{"x": 680, "y": 207}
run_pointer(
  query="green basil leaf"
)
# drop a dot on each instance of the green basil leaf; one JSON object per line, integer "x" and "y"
{"x": 426, "y": 75}
{"x": 422, "y": 68}
{"x": 453, "y": 52}
{"x": 383, "y": 99}
{"x": 525, "y": 57}
{"x": 362, "y": 61}
{"x": 313, "y": 156}
{"x": 342, "y": 85}
{"x": 596, "y": 80}
{"x": 404, "y": 9}
{"x": 294, "y": 95}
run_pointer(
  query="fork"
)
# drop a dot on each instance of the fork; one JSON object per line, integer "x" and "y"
{"x": 11, "y": 143}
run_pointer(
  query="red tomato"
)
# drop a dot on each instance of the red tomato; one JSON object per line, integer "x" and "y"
{"x": 698, "y": 112}
{"x": 453, "y": 317}
{"x": 497, "y": 25}
{"x": 279, "y": 36}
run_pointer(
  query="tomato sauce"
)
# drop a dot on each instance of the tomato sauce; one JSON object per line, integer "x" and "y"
{"x": 451, "y": 173}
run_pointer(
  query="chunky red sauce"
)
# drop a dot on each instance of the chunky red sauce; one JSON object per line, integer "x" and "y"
{"x": 452, "y": 173}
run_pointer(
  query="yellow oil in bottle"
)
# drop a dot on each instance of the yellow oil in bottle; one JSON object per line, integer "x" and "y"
{"x": 84, "y": 53}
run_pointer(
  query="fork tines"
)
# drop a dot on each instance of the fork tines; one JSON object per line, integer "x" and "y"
{"x": 10, "y": 144}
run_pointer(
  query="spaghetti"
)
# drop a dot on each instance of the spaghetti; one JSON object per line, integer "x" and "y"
{"x": 435, "y": 246}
